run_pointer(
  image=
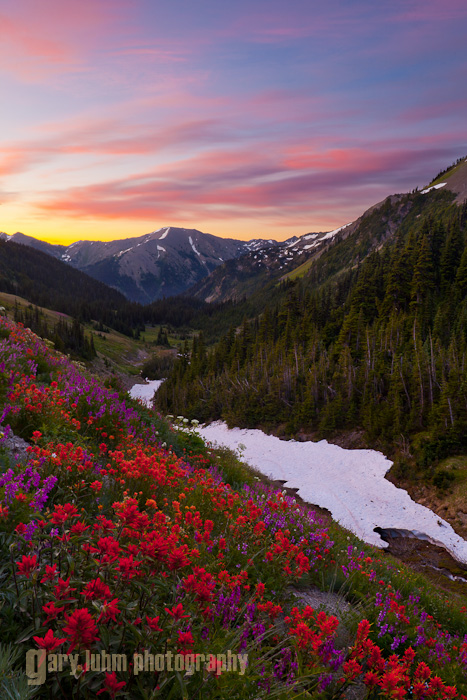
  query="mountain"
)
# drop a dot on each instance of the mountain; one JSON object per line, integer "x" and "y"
{"x": 266, "y": 267}
{"x": 170, "y": 260}
{"x": 48, "y": 282}
{"x": 454, "y": 179}
{"x": 297, "y": 257}
{"x": 160, "y": 264}
{"x": 56, "y": 251}
{"x": 368, "y": 336}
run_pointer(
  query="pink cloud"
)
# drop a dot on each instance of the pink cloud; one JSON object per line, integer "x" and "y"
{"x": 50, "y": 37}
{"x": 109, "y": 138}
{"x": 241, "y": 184}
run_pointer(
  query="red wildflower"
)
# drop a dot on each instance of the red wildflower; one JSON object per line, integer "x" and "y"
{"x": 109, "y": 610}
{"x": 351, "y": 669}
{"x": 63, "y": 512}
{"x": 327, "y": 625}
{"x": 153, "y": 623}
{"x": 371, "y": 679}
{"x": 50, "y": 573}
{"x": 178, "y": 558}
{"x": 176, "y": 612}
{"x": 111, "y": 685}
{"x": 215, "y": 665}
{"x": 49, "y": 642}
{"x": 52, "y": 611}
{"x": 96, "y": 589}
{"x": 79, "y": 528}
{"x": 62, "y": 589}
{"x": 128, "y": 567}
{"x": 81, "y": 629}
{"x": 186, "y": 641}
{"x": 104, "y": 524}
{"x": 27, "y": 565}
{"x": 260, "y": 588}
{"x": 259, "y": 528}
{"x": 108, "y": 547}
{"x": 423, "y": 672}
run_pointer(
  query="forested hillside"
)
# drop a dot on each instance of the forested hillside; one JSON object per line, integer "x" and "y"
{"x": 378, "y": 345}
{"x": 51, "y": 283}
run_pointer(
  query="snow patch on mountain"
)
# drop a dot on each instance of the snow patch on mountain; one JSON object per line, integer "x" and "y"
{"x": 193, "y": 246}
{"x": 122, "y": 252}
{"x": 433, "y": 187}
{"x": 331, "y": 234}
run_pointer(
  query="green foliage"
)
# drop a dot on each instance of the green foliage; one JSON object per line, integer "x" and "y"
{"x": 443, "y": 479}
{"x": 158, "y": 366}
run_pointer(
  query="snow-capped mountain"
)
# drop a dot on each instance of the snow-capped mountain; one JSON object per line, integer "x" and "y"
{"x": 170, "y": 260}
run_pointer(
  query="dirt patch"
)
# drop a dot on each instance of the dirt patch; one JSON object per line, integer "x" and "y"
{"x": 451, "y": 505}
{"x": 16, "y": 448}
{"x": 137, "y": 358}
{"x": 331, "y": 603}
{"x": 108, "y": 371}
{"x": 434, "y": 562}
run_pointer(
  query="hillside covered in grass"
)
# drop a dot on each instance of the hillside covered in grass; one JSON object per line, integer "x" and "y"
{"x": 121, "y": 532}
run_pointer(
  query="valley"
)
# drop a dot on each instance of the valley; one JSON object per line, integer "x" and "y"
{"x": 357, "y": 336}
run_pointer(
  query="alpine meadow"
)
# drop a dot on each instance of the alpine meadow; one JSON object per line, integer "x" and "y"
{"x": 233, "y": 350}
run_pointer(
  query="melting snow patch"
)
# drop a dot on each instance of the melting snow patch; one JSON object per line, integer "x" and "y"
{"x": 160, "y": 247}
{"x": 434, "y": 187}
{"x": 145, "y": 392}
{"x": 193, "y": 245}
{"x": 165, "y": 233}
{"x": 122, "y": 252}
{"x": 349, "y": 483}
{"x": 331, "y": 234}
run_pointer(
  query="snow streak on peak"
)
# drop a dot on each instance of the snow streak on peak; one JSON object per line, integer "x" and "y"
{"x": 331, "y": 234}
{"x": 433, "y": 187}
{"x": 165, "y": 233}
{"x": 122, "y": 252}
{"x": 193, "y": 246}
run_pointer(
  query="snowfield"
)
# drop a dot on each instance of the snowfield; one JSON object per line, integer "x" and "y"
{"x": 434, "y": 187}
{"x": 145, "y": 392}
{"x": 349, "y": 483}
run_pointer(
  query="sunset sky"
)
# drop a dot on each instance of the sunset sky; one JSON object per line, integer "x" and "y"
{"x": 258, "y": 118}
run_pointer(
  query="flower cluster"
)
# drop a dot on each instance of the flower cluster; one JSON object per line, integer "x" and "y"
{"x": 120, "y": 544}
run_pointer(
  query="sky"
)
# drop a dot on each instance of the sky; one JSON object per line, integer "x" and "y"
{"x": 245, "y": 119}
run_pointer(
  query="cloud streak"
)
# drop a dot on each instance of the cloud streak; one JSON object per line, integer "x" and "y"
{"x": 247, "y": 113}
